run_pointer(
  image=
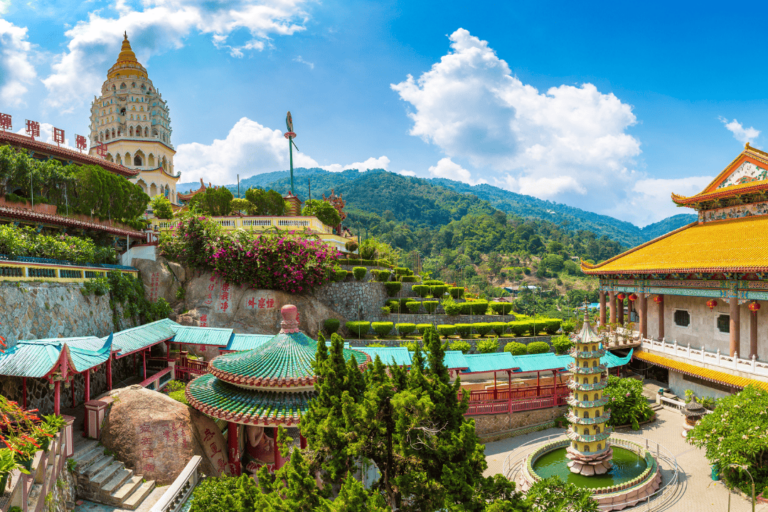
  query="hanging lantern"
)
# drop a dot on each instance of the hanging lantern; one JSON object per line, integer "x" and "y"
{"x": 658, "y": 299}
{"x": 711, "y": 303}
{"x": 632, "y": 297}
{"x": 754, "y": 306}
{"x": 621, "y": 296}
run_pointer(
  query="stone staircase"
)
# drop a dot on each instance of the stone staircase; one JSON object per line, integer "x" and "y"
{"x": 103, "y": 479}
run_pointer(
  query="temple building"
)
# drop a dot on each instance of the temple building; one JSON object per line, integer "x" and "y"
{"x": 698, "y": 290}
{"x": 133, "y": 121}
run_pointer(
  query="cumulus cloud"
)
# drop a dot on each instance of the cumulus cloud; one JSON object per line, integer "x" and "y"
{"x": 16, "y": 70}
{"x": 372, "y": 163}
{"x": 160, "y": 26}
{"x": 46, "y": 135}
{"x": 650, "y": 199}
{"x": 311, "y": 65}
{"x": 447, "y": 168}
{"x": 740, "y": 133}
{"x": 406, "y": 173}
{"x": 565, "y": 140}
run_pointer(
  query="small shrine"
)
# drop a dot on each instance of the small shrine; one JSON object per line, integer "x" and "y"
{"x": 258, "y": 390}
{"x": 693, "y": 412}
{"x": 589, "y": 452}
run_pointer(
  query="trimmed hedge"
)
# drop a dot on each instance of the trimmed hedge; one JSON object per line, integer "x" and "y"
{"x": 358, "y": 327}
{"x": 383, "y": 276}
{"x": 478, "y": 307}
{"x": 385, "y": 310}
{"x": 462, "y": 345}
{"x": 463, "y": 330}
{"x": 452, "y": 309}
{"x": 457, "y": 292}
{"x": 393, "y": 287}
{"x": 359, "y": 273}
{"x": 393, "y": 305}
{"x": 422, "y": 328}
{"x": 413, "y": 306}
{"x": 538, "y": 347}
{"x": 370, "y": 263}
{"x": 439, "y": 290}
{"x": 482, "y": 329}
{"x": 551, "y": 325}
{"x": 500, "y": 308}
{"x": 401, "y": 271}
{"x": 519, "y": 327}
{"x": 339, "y": 275}
{"x": 445, "y": 330}
{"x": 515, "y": 348}
{"x": 498, "y": 328}
{"x": 331, "y": 325}
{"x": 421, "y": 290}
{"x": 522, "y": 327}
{"x": 382, "y": 328}
{"x": 405, "y": 329}
{"x": 433, "y": 282}
{"x": 488, "y": 345}
{"x": 430, "y": 305}
{"x": 409, "y": 279}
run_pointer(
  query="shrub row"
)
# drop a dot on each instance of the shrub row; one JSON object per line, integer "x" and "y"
{"x": 370, "y": 263}
{"x": 524, "y": 327}
{"x": 425, "y": 290}
{"x": 478, "y": 307}
{"x": 518, "y": 349}
{"x": 457, "y": 292}
{"x": 411, "y": 306}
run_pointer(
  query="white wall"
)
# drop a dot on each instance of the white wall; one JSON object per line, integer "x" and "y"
{"x": 145, "y": 252}
{"x": 678, "y": 386}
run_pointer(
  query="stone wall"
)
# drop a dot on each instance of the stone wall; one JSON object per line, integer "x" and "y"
{"x": 494, "y": 423}
{"x": 353, "y": 300}
{"x": 425, "y": 318}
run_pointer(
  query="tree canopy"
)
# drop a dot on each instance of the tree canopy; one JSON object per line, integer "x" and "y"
{"x": 265, "y": 202}
{"x": 161, "y": 207}
{"x": 214, "y": 201}
{"x": 323, "y": 210}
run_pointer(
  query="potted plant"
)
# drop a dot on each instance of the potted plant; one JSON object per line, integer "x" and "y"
{"x": 7, "y": 464}
{"x": 24, "y": 448}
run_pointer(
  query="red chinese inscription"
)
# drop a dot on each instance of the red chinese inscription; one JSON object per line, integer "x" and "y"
{"x": 33, "y": 129}
{"x": 80, "y": 142}
{"x": 5, "y": 122}
{"x": 58, "y": 136}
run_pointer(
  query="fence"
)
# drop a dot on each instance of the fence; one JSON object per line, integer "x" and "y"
{"x": 712, "y": 358}
{"x": 509, "y": 406}
{"x": 188, "y": 370}
{"x": 179, "y": 492}
{"x": 158, "y": 381}
{"x": 20, "y": 268}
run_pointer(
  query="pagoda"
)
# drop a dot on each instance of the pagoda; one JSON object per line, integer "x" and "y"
{"x": 589, "y": 452}
{"x": 259, "y": 390}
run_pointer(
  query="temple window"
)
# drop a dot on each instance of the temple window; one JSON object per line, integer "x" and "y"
{"x": 586, "y": 414}
{"x": 597, "y": 396}
{"x": 724, "y": 323}
{"x": 122, "y": 86}
{"x": 594, "y": 381}
{"x": 682, "y": 318}
{"x": 599, "y": 447}
{"x": 137, "y": 160}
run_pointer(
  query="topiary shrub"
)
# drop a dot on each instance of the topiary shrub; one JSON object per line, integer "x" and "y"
{"x": 359, "y": 273}
{"x": 382, "y": 328}
{"x": 403, "y": 303}
{"x": 393, "y": 287}
{"x": 463, "y": 329}
{"x": 488, "y": 345}
{"x": 445, "y": 330}
{"x": 551, "y": 325}
{"x": 457, "y": 292}
{"x": 413, "y": 306}
{"x": 409, "y": 279}
{"x": 385, "y": 310}
{"x": 421, "y": 290}
{"x": 430, "y": 305}
{"x": 498, "y": 328}
{"x": 462, "y": 345}
{"x": 479, "y": 307}
{"x": 538, "y": 347}
{"x": 561, "y": 344}
{"x": 433, "y": 282}
{"x": 400, "y": 271}
{"x": 520, "y": 327}
{"x": 421, "y": 328}
{"x": 339, "y": 275}
{"x": 515, "y": 348}
{"x": 358, "y": 327}
{"x": 405, "y": 329}
{"x": 383, "y": 276}
{"x": 331, "y": 325}
{"x": 482, "y": 329}
{"x": 452, "y": 309}
{"x": 439, "y": 290}
{"x": 500, "y": 308}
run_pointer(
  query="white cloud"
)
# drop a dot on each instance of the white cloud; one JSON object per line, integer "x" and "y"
{"x": 406, "y": 173}
{"x": 311, "y": 65}
{"x": 161, "y": 25}
{"x": 46, "y": 135}
{"x": 650, "y": 200}
{"x": 4, "y": 5}
{"x": 740, "y": 133}
{"x": 16, "y": 70}
{"x": 567, "y": 139}
{"x": 447, "y": 168}
{"x": 372, "y": 163}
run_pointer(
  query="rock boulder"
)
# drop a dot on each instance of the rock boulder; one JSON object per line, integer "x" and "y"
{"x": 161, "y": 278}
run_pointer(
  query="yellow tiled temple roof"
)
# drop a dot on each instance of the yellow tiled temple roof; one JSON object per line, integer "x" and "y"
{"x": 698, "y": 371}
{"x": 739, "y": 245}
{"x": 711, "y": 192}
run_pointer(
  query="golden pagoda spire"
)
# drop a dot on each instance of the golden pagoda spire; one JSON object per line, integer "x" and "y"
{"x": 127, "y": 63}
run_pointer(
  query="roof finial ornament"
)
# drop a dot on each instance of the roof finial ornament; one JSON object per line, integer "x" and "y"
{"x": 586, "y": 309}
{"x": 746, "y": 146}
{"x": 125, "y": 35}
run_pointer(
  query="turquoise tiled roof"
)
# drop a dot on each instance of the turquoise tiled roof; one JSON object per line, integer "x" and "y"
{"x": 490, "y": 362}
{"x": 202, "y": 336}
{"x": 455, "y": 360}
{"x": 143, "y": 336}
{"x": 399, "y": 356}
{"x": 240, "y": 342}
{"x": 37, "y": 358}
{"x": 219, "y": 399}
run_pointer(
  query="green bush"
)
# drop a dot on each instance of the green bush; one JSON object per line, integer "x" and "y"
{"x": 411, "y": 345}
{"x": 409, "y": 279}
{"x": 439, "y": 290}
{"x": 385, "y": 310}
{"x": 405, "y": 329}
{"x": 393, "y": 305}
{"x": 462, "y": 345}
{"x": 452, "y": 309}
{"x": 413, "y": 306}
{"x": 433, "y": 282}
{"x": 463, "y": 330}
{"x": 628, "y": 406}
{"x": 358, "y": 327}
{"x": 561, "y": 344}
{"x": 175, "y": 385}
{"x": 323, "y": 210}
{"x": 401, "y": 271}
{"x": 445, "y": 330}
{"x": 482, "y": 329}
{"x": 538, "y": 347}
{"x": 331, "y": 325}
{"x": 498, "y": 328}
{"x": 520, "y": 327}
{"x": 551, "y": 325}
{"x": 383, "y": 276}
{"x": 568, "y": 326}
{"x": 430, "y": 305}
{"x": 421, "y": 290}
{"x": 382, "y": 328}
{"x": 379, "y": 345}
{"x": 500, "y": 308}
{"x": 479, "y": 307}
{"x": 359, "y": 273}
{"x": 515, "y": 348}
{"x": 179, "y": 396}
{"x": 393, "y": 287}
{"x": 422, "y": 328}
{"x": 457, "y": 292}
{"x": 488, "y": 345}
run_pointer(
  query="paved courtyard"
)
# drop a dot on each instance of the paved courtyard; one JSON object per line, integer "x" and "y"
{"x": 696, "y": 492}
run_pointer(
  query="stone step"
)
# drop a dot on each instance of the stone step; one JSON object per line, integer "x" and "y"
{"x": 84, "y": 448}
{"x": 87, "y": 458}
{"x": 124, "y": 491}
{"x": 34, "y": 496}
{"x": 138, "y": 496}
{"x": 116, "y": 481}
{"x": 103, "y": 476}
{"x": 97, "y": 465}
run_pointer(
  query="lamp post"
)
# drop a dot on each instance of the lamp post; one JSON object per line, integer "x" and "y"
{"x": 290, "y": 135}
{"x": 744, "y": 467}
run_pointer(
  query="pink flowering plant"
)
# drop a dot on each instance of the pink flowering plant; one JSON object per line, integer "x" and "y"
{"x": 627, "y": 404}
{"x": 290, "y": 262}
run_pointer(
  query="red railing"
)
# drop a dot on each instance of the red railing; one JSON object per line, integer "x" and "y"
{"x": 188, "y": 370}
{"x": 506, "y": 406}
{"x": 517, "y": 393}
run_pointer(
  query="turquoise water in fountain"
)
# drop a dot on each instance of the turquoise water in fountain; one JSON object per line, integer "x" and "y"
{"x": 626, "y": 466}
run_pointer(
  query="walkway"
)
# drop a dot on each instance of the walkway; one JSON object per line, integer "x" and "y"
{"x": 697, "y": 491}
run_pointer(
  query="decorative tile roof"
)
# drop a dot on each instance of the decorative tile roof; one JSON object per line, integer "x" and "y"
{"x": 399, "y": 356}
{"x": 286, "y": 360}
{"x": 497, "y": 361}
{"x": 241, "y": 342}
{"x": 143, "y": 336}
{"x": 211, "y": 336}
{"x": 25, "y": 215}
{"x": 38, "y": 358}
{"x": 219, "y": 399}
{"x": 702, "y": 373}
{"x": 455, "y": 360}
{"x": 739, "y": 245}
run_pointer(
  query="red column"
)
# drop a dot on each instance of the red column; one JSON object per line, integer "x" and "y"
{"x": 753, "y": 334}
{"x": 278, "y": 458}
{"x": 495, "y": 393}
{"x": 233, "y": 447}
{"x": 642, "y": 307}
{"x": 602, "y": 309}
{"x": 109, "y": 374}
{"x": 735, "y": 327}
{"x": 302, "y": 441}
{"x": 661, "y": 317}
{"x": 612, "y": 306}
{"x": 538, "y": 383}
{"x": 620, "y": 305}
{"x": 87, "y": 395}
{"x": 144, "y": 362}
{"x": 57, "y": 397}
{"x": 73, "y": 391}
{"x": 24, "y": 392}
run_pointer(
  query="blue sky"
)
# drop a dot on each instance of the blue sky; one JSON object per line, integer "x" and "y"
{"x": 597, "y": 105}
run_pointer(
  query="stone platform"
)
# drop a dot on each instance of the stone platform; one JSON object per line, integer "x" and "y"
{"x": 589, "y": 465}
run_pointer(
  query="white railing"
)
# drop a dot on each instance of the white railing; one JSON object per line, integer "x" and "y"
{"x": 701, "y": 355}
{"x": 180, "y": 490}
{"x": 260, "y": 223}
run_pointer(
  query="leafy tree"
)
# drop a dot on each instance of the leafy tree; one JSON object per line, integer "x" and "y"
{"x": 213, "y": 202}
{"x": 265, "y": 202}
{"x": 553, "y": 262}
{"x": 161, "y": 207}
{"x": 240, "y": 205}
{"x": 561, "y": 344}
{"x": 323, "y": 210}
{"x": 554, "y": 495}
{"x": 628, "y": 406}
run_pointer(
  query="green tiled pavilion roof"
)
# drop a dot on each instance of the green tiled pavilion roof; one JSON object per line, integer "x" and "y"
{"x": 240, "y": 342}
{"x": 211, "y": 336}
{"x": 284, "y": 361}
{"x": 138, "y": 338}
{"x": 37, "y": 358}
{"x": 221, "y": 400}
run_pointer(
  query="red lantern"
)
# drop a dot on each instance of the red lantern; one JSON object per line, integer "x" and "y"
{"x": 754, "y": 306}
{"x": 632, "y": 297}
{"x": 621, "y": 296}
{"x": 658, "y": 299}
{"x": 711, "y": 303}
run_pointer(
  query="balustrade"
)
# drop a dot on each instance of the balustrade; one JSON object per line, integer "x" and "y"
{"x": 701, "y": 355}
